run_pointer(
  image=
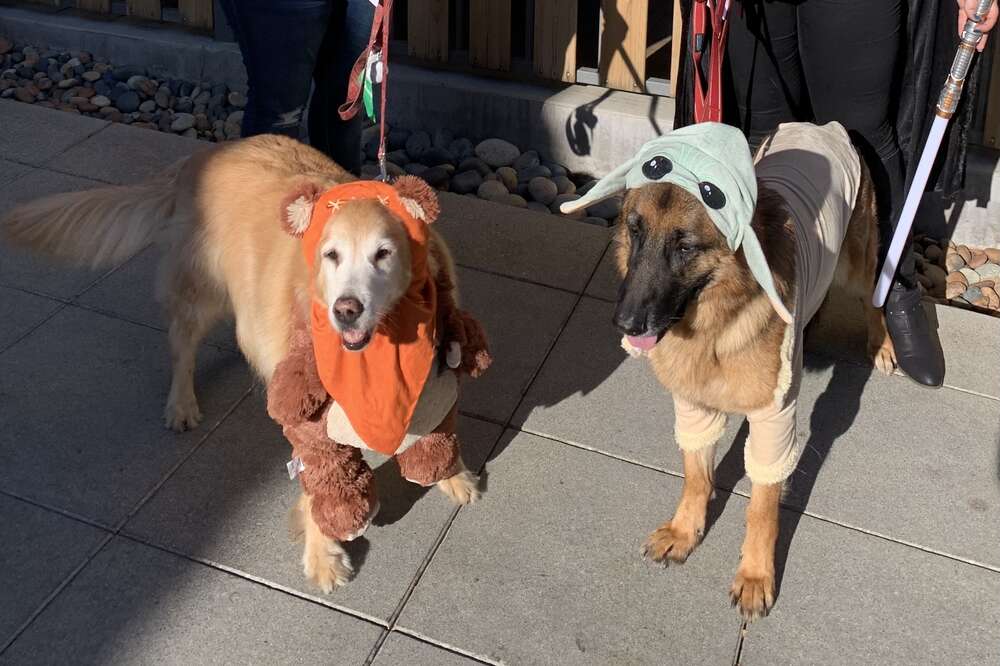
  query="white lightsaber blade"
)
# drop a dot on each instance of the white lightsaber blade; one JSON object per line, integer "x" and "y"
{"x": 947, "y": 103}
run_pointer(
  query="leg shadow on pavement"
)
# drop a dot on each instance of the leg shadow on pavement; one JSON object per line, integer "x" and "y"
{"x": 832, "y": 416}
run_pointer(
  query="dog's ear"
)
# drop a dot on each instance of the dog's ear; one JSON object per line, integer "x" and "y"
{"x": 296, "y": 208}
{"x": 419, "y": 198}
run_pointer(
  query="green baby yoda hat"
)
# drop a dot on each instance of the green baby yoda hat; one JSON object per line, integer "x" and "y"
{"x": 712, "y": 161}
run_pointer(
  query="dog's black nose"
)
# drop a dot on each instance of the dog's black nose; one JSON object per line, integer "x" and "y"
{"x": 347, "y": 310}
{"x": 630, "y": 323}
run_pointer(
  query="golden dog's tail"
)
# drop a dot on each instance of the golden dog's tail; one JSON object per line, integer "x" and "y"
{"x": 95, "y": 228}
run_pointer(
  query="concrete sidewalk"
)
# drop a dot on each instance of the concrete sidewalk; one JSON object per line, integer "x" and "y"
{"x": 122, "y": 542}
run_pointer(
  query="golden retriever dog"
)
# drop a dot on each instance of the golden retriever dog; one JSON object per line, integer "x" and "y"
{"x": 216, "y": 217}
{"x": 719, "y": 343}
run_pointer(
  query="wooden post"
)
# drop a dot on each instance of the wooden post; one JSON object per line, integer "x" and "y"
{"x": 196, "y": 13}
{"x": 489, "y": 34}
{"x": 677, "y": 30}
{"x": 146, "y": 9}
{"x": 623, "y": 44}
{"x": 99, "y": 6}
{"x": 554, "y": 53}
{"x": 427, "y": 29}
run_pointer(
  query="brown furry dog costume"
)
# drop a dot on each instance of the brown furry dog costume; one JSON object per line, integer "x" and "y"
{"x": 335, "y": 475}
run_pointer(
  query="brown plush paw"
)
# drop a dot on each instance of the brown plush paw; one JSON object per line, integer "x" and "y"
{"x": 469, "y": 333}
{"x": 295, "y": 392}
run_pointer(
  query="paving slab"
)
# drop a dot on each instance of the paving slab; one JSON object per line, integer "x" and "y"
{"x": 969, "y": 341}
{"x": 125, "y": 155}
{"x": 34, "y": 135}
{"x": 604, "y": 284}
{"x": 135, "y": 604}
{"x": 229, "y": 504}
{"x": 589, "y": 392}
{"x": 87, "y": 392}
{"x": 401, "y": 649}
{"x": 39, "y": 549}
{"x": 851, "y": 598}
{"x": 130, "y": 291}
{"x": 20, "y": 312}
{"x": 927, "y": 459}
{"x": 11, "y": 171}
{"x": 18, "y": 268}
{"x": 521, "y": 321}
{"x": 521, "y": 243}
{"x": 549, "y": 570}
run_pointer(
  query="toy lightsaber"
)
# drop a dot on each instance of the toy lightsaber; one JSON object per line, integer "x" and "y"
{"x": 946, "y": 105}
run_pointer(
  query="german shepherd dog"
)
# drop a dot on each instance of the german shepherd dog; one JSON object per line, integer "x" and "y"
{"x": 720, "y": 341}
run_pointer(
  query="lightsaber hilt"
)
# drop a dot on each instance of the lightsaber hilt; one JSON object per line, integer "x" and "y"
{"x": 952, "y": 91}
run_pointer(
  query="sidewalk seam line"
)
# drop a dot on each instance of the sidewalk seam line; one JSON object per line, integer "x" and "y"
{"x": 446, "y": 528}
{"x": 252, "y": 578}
{"x": 56, "y": 593}
{"x": 788, "y": 507}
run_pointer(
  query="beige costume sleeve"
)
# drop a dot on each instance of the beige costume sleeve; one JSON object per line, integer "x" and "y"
{"x": 772, "y": 450}
{"x": 696, "y": 427}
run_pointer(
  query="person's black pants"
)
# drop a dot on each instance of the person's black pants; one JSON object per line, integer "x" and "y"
{"x": 287, "y": 45}
{"x": 823, "y": 61}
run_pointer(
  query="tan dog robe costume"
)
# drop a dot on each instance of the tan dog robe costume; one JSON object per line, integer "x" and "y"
{"x": 816, "y": 171}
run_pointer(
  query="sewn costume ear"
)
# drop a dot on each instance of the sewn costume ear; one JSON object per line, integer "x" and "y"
{"x": 296, "y": 208}
{"x": 612, "y": 184}
{"x": 711, "y": 161}
{"x": 419, "y": 198}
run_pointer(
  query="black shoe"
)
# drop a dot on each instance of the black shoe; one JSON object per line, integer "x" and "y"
{"x": 917, "y": 350}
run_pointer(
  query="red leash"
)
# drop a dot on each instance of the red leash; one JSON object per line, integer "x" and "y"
{"x": 378, "y": 48}
{"x": 708, "y": 106}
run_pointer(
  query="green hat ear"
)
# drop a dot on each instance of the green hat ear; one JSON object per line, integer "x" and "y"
{"x": 605, "y": 188}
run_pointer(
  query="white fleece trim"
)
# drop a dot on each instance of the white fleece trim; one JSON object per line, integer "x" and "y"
{"x": 299, "y": 213}
{"x": 695, "y": 441}
{"x": 777, "y": 471}
{"x": 785, "y": 369}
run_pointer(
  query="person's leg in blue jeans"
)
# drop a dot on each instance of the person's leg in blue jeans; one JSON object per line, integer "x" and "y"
{"x": 283, "y": 43}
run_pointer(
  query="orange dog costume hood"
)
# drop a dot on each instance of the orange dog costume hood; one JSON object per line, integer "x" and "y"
{"x": 378, "y": 387}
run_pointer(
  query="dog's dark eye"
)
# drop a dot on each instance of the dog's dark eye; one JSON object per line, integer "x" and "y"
{"x": 657, "y": 168}
{"x": 382, "y": 253}
{"x": 711, "y": 195}
{"x": 332, "y": 256}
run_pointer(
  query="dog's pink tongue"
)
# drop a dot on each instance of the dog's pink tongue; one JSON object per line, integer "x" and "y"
{"x": 643, "y": 342}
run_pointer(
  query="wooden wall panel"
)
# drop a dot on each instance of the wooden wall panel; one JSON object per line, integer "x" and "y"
{"x": 554, "y": 50}
{"x": 489, "y": 34}
{"x": 623, "y": 44}
{"x": 427, "y": 29}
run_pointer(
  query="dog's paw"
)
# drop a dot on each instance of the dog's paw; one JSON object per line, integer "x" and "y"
{"x": 326, "y": 564}
{"x": 753, "y": 593}
{"x": 182, "y": 414}
{"x": 883, "y": 356}
{"x": 670, "y": 544}
{"x": 462, "y": 488}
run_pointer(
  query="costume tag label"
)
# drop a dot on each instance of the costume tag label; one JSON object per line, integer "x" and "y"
{"x": 295, "y": 467}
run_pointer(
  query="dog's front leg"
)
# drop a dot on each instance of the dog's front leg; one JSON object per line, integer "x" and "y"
{"x": 324, "y": 560}
{"x": 770, "y": 457}
{"x": 696, "y": 430}
{"x": 753, "y": 587}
